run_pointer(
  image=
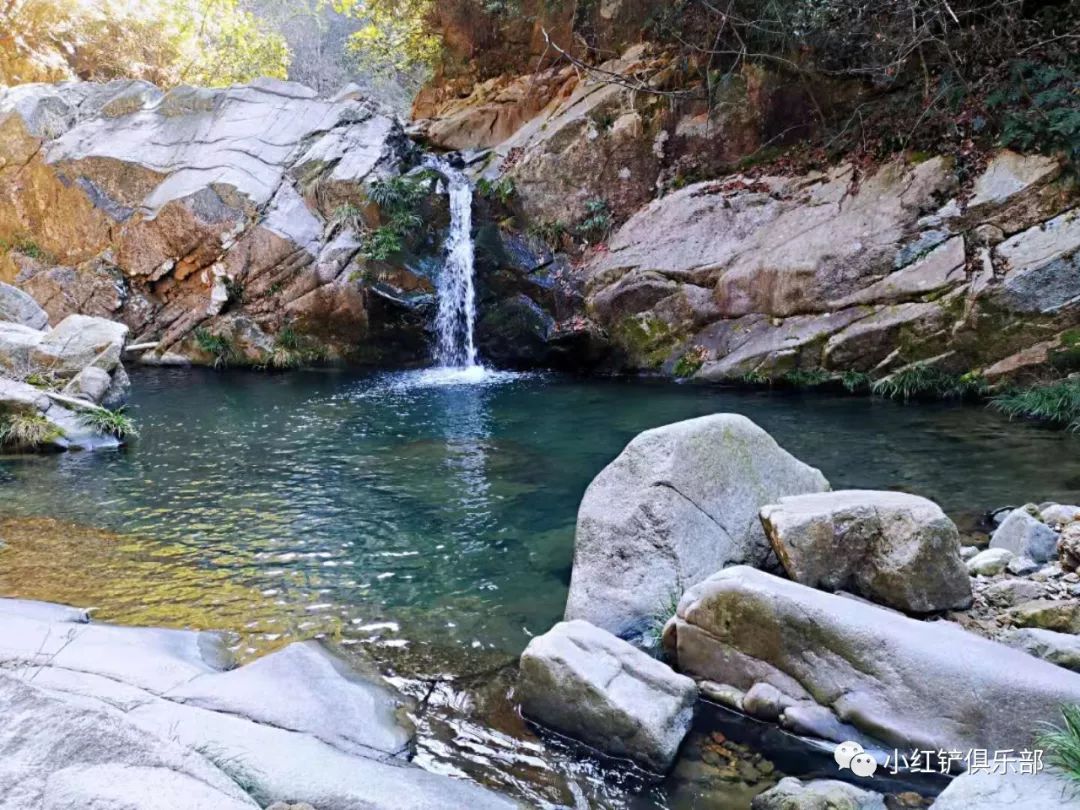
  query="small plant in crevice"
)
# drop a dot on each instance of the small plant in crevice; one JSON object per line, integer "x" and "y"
{"x": 550, "y": 232}
{"x": 292, "y": 350}
{"x": 234, "y": 289}
{"x": 502, "y": 190}
{"x": 27, "y": 247}
{"x": 217, "y": 346}
{"x": 1061, "y": 744}
{"x": 46, "y": 381}
{"x": 110, "y": 422}
{"x": 348, "y": 216}
{"x": 690, "y": 362}
{"x": 398, "y": 199}
{"x": 1055, "y": 402}
{"x": 27, "y": 431}
{"x": 652, "y": 635}
{"x": 598, "y": 221}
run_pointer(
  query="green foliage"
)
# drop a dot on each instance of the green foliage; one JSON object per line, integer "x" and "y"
{"x": 382, "y": 244}
{"x": 754, "y": 378}
{"x": 920, "y": 381}
{"x": 597, "y": 223}
{"x": 110, "y": 422}
{"x": 1057, "y": 403}
{"x": 27, "y": 431}
{"x": 398, "y": 199}
{"x": 655, "y": 622}
{"x": 347, "y": 215}
{"x": 46, "y": 381}
{"x": 856, "y": 381}
{"x": 1040, "y": 104}
{"x": 1062, "y": 743}
{"x": 806, "y": 378}
{"x": 25, "y": 245}
{"x": 292, "y": 350}
{"x": 396, "y": 36}
{"x": 690, "y": 363}
{"x": 217, "y": 346}
{"x": 201, "y": 42}
{"x": 502, "y": 189}
{"x": 550, "y": 232}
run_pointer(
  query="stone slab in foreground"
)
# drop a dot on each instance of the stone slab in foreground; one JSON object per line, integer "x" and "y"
{"x": 908, "y": 683}
{"x": 103, "y": 716}
{"x": 585, "y": 682}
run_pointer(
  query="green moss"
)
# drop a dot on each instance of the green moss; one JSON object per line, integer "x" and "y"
{"x": 648, "y": 340}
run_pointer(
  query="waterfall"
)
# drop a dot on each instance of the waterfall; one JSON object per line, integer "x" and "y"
{"x": 456, "y": 294}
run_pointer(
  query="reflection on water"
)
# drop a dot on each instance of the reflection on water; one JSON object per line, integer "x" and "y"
{"x": 428, "y": 520}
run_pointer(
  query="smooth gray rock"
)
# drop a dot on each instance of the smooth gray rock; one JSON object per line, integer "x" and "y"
{"x": 57, "y": 753}
{"x": 1022, "y": 566}
{"x": 893, "y": 548}
{"x": 91, "y": 384}
{"x": 989, "y": 562}
{"x": 813, "y": 720}
{"x": 1010, "y": 592}
{"x": 1008, "y": 791}
{"x": 18, "y": 307}
{"x": 765, "y": 702}
{"x": 77, "y": 342}
{"x": 153, "y": 659}
{"x": 1062, "y": 649}
{"x": 586, "y": 683}
{"x": 679, "y": 503}
{"x": 967, "y": 552}
{"x": 1058, "y": 514}
{"x": 306, "y": 688}
{"x": 1025, "y": 536}
{"x": 820, "y": 794}
{"x": 892, "y": 677}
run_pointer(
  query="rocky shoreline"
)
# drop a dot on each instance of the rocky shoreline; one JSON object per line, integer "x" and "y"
{"x": 859, "y": 626}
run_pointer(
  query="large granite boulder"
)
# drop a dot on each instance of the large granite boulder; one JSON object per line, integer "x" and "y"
{"x": 588, "y": 684}
{"x": 679, "y": 503}
{"x": 145, "y": 719}
{"x": 820, "y": 794}
{"x": 893, "y": 548}
{"x": 79, "y": 341}
{"x": 894, "y": 678}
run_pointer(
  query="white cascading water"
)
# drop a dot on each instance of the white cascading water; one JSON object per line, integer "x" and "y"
{"x": 456, "y": 315}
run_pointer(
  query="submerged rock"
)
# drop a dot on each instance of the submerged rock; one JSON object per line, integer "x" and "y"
{"x": 897, "y": 549}
{"x": 585, "y": 682}
{"x": 892, "y": 677}
{"x": 679, "y": 503}
{"x": 820, "y": 794}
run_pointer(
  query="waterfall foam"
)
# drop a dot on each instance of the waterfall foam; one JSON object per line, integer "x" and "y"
{"x": 454, "y": 323}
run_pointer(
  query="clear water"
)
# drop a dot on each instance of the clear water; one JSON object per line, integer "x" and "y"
{"x": 429, "y": 521}
{"x": 456, "y": 315}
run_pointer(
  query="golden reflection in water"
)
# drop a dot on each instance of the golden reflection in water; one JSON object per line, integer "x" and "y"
{"x": 133, "y": 580}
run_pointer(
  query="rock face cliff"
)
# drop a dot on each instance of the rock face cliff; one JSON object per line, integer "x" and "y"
{"x": 759, "y": 272}
{"x": 227, "y": 226}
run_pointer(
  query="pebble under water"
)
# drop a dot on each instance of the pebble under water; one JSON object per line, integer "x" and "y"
{"x": 427, "y": 519}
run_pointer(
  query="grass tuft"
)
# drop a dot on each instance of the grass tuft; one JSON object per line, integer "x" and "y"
{"x": 1062, "y": 743}
{"x": 110, "y": 422}
{"x": 27, "y": 431}
{"x": 1057, "y": 402}
{"x": 217, "y": 346}
{"x": 920, "y": 381}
